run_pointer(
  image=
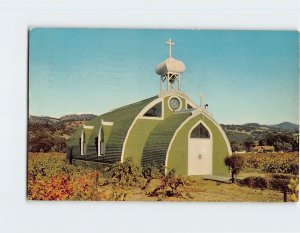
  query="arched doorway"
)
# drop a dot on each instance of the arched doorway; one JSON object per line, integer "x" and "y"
{"x": 200, "y": 150}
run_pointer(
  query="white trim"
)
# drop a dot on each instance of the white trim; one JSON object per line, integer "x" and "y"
{"x": 107, "y": 123}
{"x": 202, "y": 110}
{"x": 188, "y": 102}
{"x": 205, "y": 126}
{"x": 140, "y": 116}
{"x": 150, "y": 105}
{"x": 206, "y": 113}
{"x": 88, "y": 126}
{"x": 172, "y": 140}
{"x": 209, "y": 115}
{"x": 180, "y": 102}
{"x": 82, "y": 143}
{"x": 99, "y": 141}
{"x": 99, "y": 135}
{"x": 197, "y": 112}
{"x": 224, "y": 136}
{"x": 210, "y": 138}
{"x": 178, "y": 93}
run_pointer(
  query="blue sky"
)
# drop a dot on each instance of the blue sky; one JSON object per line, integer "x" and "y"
{"x": 246, "y": 76}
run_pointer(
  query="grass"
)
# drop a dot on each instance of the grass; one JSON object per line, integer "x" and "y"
{"x": 50, "y": 178}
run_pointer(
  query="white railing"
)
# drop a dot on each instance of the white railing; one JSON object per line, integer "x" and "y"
{"x": 175, "y": 91}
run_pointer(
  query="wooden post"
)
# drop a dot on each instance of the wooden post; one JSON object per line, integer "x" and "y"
{"x": 71, "y": 156}
{"x": 284, "y": 194}
{"x": 232, "y": 176}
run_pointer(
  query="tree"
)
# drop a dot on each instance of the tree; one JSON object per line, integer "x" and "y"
{"x": 282, "y": 142}
{"x": 236, "y": 164}
{"x": 248, "y": 144}
{"x": 235, "y": 146}
{"x": 263, "y": 142}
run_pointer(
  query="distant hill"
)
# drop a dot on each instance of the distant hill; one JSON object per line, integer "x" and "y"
{"x": 51, "y": 134}
{"x": 256, "y": 132}
{"x": 286, "y": 126}
{"x": 76, "y": 117}
{"x": 67, "y": 118}
{"x": 251, "y": 125}
{"x": 43, "y": 120}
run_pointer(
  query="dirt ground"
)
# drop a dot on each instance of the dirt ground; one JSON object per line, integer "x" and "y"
{"x": 211, "y": 191}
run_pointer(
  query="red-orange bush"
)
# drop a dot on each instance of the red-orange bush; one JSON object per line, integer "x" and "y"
{"x": 50, "y": 178}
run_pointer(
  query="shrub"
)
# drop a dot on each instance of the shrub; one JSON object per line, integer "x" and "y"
{"x": 125, "y": 174}
{"x": 278, "y": 184}
{"x": 255, "y": 182}
{"x": 236, "y": 164}
{"x": 50, "y": 178}
{"x": 153, "y": 171}
{"x": 168, "y": 186}
{"x": 294, "y": 187}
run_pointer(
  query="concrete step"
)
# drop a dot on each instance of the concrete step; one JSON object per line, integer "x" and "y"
{"x": 223, "y": 179}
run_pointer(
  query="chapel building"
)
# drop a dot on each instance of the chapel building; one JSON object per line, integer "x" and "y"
{"x": 168, "y": 129}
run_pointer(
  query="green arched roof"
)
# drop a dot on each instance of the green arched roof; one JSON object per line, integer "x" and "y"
{"x": 156, "y": 147}
{"x": 122, "y": 119}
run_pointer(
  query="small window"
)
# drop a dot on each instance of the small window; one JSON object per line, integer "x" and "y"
{"x": 100, "y": 137}
{"x": 189, "y": 106}
{"x": 96, "y": 143}
{"x": 155, "y": 111}
{"x": 200, "y": 132}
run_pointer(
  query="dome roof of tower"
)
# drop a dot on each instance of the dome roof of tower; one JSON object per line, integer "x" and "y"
{"x": 170, "y": 65}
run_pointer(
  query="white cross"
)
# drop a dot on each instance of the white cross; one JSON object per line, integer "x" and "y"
{"x": 170, "y": 43}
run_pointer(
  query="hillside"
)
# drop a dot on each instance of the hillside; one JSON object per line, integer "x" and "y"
{"x": 51, "y": 134}
{"x": 286, "y": 126}
{"x": 282, "y": 136}
{"x": 53, "y": 121}
{"x": 256, "y": 132}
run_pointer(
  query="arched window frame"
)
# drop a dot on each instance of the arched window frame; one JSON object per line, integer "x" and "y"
{"x": 151, "y": 105}
{"x": 153, "y": 108}
{"x": 205, "y": 126}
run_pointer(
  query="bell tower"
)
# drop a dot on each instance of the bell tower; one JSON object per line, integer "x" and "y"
{"x": 170, "y": 71}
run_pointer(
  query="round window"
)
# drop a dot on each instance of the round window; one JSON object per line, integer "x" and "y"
{"x": 174, "y": 103}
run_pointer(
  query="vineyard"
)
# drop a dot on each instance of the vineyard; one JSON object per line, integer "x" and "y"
{"x": 51, "y": 178}
{"x": 287, "y": 163}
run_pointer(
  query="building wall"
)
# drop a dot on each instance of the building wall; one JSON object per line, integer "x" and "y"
{"x": 178, "y": 151}
{"x": 137, "y": 139}
{"x": 141, "y": 130}
{"x": 139, "y": 134}
{"x": 167, "y": 110}
{"x": 158, "y": 142}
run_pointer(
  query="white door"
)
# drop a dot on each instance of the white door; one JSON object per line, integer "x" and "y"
{"x": 200, "y": 152}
